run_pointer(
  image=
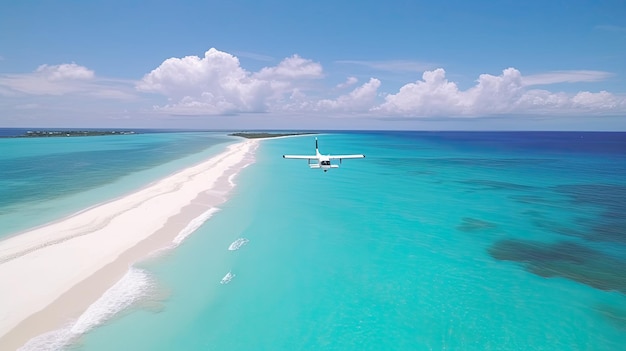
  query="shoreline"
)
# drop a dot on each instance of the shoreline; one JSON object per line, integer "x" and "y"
{"x": 50, "y": 275}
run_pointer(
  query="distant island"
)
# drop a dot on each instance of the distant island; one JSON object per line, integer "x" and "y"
{"x": 258, "y": 135}
{"x": 70, "y": 133}
{"x": 81, "y": 133}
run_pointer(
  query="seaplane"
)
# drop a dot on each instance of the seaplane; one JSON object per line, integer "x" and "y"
{"x": 319, "y": 161}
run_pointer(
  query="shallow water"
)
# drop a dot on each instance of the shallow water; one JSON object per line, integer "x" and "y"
{"x": 43, "y": 179}
{"x": 472, "y": 241}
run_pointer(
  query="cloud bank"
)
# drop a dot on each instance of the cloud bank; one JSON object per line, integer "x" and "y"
{"x": 508, "y": 93}
{"x": 217, "y": 84}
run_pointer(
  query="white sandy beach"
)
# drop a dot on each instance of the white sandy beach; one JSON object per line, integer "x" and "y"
{"x": 50, "y": 275}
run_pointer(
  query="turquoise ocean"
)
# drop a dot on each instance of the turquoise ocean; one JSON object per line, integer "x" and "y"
{"x": 434, "y": 241}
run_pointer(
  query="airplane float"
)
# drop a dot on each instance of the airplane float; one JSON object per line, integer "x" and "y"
{"x": 320, "y": 161}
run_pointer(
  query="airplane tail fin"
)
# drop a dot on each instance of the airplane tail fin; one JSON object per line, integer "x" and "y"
{"x": 316, "y": 149}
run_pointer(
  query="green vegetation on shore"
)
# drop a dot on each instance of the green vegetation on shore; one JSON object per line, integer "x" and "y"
{"x": 258, "y": 135}
{"x": 70, "y": 133}
{"x": 78, "y": 133}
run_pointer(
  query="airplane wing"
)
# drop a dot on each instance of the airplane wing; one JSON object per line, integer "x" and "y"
{"x": 317, "y": 165}
{"x": 301, "y": 157}
{"x": 334, "y": 157}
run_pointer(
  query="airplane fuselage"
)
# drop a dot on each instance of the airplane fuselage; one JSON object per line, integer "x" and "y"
{"x": 323, "y": 162}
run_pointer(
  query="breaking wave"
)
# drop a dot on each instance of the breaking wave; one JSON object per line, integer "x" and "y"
{"x": 231, "y": 180}
{"x": 194, "y": 225}
{"x": 134, "y": 285}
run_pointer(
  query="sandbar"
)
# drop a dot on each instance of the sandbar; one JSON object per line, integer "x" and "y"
{"x": 51, "y": 274}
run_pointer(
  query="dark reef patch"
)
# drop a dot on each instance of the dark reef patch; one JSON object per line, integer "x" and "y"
{"x": 616, "y": 316}
{"x": 611, "y": 199}
{"x": 469, "y": 224}
{"x": 613, "y": 231}
{"x": 557, "y": 228}
{"x": 610, "y": 196}
{"x": 495, "y": 185}
{"x": 565, "y": 259}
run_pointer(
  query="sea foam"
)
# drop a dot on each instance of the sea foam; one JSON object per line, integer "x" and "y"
{"x": 227, "y": 278}
{"x": 194, "y": 225}
{"x": 133, "y": 286}
{"x": 237, "y": 244}
{"x": 231, "y": 180}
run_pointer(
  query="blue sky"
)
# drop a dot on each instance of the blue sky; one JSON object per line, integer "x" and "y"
{"x": 470, "y": 65}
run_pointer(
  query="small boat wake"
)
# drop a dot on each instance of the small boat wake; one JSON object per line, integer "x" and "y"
{"x": 237, "y": 244}
{"x": 227, "y": 278}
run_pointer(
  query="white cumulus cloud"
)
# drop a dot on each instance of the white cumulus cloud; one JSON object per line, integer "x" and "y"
{"x": 216, "y": 83}
{"x": 597, "y": 101}
{"x": 66, "y": 71}
{"x": 360, "y": 99}
{"x": 213, "y": 84}
{"x": 507, "y": 93}
{"x": 294, "y": 67}
{"x": 349, "y": 82}
{"x": 433, "y": 95}
{"x": 496, "y": 94}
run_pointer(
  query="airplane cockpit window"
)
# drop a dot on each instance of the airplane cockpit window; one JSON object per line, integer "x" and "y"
{"x": 325, "y": 163}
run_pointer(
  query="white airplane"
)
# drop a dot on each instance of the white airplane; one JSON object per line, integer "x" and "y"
{"x": 322, "y": 161}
